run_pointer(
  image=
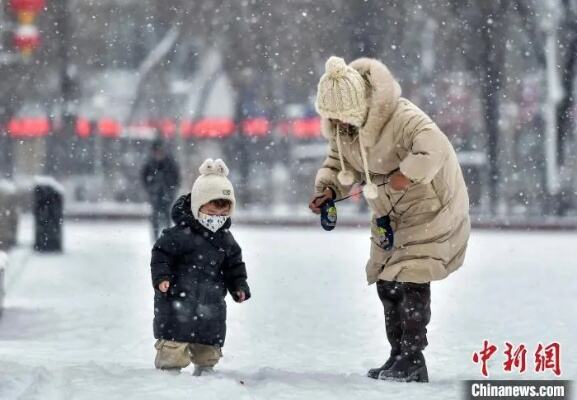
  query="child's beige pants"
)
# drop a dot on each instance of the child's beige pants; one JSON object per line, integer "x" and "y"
{"x": 171, "y": 354}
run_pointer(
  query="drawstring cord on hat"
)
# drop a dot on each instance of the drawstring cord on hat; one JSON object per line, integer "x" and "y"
{"x": 339, "y": 149}
{"x": 370, "y": 190}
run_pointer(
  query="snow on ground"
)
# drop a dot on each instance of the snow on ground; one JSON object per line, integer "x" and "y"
{"x": 79, "y": 325}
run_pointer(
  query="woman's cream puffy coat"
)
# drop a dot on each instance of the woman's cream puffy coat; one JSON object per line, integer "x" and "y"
{"x": 431, "y": 221}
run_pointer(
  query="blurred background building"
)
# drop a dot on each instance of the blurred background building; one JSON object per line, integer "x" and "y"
{"x": 86, "y": 85}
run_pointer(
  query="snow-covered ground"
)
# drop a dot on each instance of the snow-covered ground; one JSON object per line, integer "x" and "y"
{"x": 79, "y": 325}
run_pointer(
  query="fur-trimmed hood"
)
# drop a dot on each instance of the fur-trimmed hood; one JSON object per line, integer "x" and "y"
{"x": 383, "y": 93}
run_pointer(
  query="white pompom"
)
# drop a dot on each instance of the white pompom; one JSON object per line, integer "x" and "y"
{"x": 335, "y": 67}
{"x": 221, "y": 168}
{"x": 213, "y": 167}
{"x": 346, "y": 178}
{"x": 207, "y": 167}
{"x": 371, "y": 191}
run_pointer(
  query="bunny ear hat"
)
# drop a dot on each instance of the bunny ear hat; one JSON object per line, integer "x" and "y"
{"x": 212, "y": 184}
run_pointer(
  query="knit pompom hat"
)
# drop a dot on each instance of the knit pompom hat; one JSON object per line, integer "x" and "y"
{"x": 212, "y": 184}
{"x": 341, "y": 93}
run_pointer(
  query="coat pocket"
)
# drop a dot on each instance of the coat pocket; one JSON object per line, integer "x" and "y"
{"x": 417, "y": 199}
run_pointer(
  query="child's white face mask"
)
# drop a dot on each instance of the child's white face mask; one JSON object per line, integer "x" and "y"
{"x": 212, "y": 222}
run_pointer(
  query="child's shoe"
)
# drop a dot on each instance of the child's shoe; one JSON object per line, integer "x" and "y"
{"x": 171, "y": 371}
{"x": 198, "y": 370}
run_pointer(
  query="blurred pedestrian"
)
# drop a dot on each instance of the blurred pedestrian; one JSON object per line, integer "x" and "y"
{"x": 160, "y": 177}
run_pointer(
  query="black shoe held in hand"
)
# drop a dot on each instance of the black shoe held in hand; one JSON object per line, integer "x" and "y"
{"x": 386, "y": 236}
{"x": 329, "y": 215}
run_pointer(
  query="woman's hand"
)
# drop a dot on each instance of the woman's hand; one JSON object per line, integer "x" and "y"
{"x": 399, "y": 181}
{"x": 319, "y": 199}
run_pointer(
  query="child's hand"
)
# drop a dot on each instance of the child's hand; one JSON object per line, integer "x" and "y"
{"x": 240, "y": 296}
{"x": 163, "y": 286}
